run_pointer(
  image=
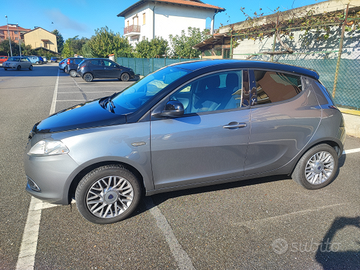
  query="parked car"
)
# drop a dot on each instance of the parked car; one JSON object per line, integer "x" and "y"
{"x": 18, "y": 63}
{"x": 221, "y": 120}
{"x": 53, "y": 59}
{"x": 103, "y": 68}
{"x": 3, "y": 59}
{"x": 35, "y": 59}
{"x": 44, "y": 59}
{"x": 62, "y": 64}
{"x": 72, "y": 65}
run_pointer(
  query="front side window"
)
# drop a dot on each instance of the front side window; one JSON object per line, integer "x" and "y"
{"x": 272, "y": 86}
{"x": 219, "y": 91}
{"x": 139, "y": 93}
{"x": 109, "y": 64}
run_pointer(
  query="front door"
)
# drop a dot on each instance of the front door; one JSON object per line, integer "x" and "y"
{"x": 209, "y": 142}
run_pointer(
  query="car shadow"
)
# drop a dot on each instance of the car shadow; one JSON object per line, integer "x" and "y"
{"x": 158, "y": 199}
{"x": 330, "y": 253}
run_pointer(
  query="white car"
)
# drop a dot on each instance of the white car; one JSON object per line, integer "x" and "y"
{"x": 18, "y": 63}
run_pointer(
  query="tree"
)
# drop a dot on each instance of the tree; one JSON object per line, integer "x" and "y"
{"x": 5, "y": 48}
{"x": 73, "y": 46}
{"x": 59, "y": 40}
{"x": 182, "y": 46}
{"x": 106, "y": 42}
{"x": 68, "y": 50}
{"x": 157, "y": 47}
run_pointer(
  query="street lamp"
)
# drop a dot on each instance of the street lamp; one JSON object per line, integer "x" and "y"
{"x": 8, "y": 34}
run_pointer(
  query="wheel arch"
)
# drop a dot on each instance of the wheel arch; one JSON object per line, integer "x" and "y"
{"x": 337, "y": 145}
{"x": 89, "y": 167}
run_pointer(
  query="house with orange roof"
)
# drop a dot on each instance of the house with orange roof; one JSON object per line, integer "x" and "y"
{"x": 147, "y": 19}
{"x": 15, "y": 31}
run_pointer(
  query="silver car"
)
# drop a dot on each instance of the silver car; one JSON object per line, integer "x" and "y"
{"x": 186, "y": 125}
{"x": 18, "y": 63}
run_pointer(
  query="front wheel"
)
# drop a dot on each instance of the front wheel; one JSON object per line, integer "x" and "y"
{"x": 73, "y": 73}
{"x": 88, "y": 77}
{"x": 317, "y": 168}
{"x": 108, "y": 194}
{"x": 125, "y": 77}
{"x": 31, "y": 67}
{"x": 18, "y": 67}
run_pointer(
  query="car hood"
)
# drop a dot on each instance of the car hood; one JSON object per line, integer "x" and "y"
{"x": 86, "y": 115}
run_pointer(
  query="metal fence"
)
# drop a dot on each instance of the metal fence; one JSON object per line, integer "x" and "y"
{"x": 145, "y": 66}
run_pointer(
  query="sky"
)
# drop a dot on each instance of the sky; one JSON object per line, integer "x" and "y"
{"x": 81, "y": 17}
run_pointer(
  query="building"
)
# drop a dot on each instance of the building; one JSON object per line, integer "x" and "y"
{"x": 41, "y": 38}
{"x": 239, "y": 42}
{"x": 16, "y": 32}
{"x": 147, "y": 19}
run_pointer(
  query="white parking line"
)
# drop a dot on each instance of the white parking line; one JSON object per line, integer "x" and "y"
{"x": 352, "y": 151}
{"x": 26, "y": 258}
{"x": 181, "y": 257}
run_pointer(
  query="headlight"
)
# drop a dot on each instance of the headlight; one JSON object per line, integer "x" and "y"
{"x": 48, "y": 148}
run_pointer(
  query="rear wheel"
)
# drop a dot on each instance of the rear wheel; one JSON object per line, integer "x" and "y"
{"x": 73, "y": 73}
{"x": 18, "y": 67}
{"x": 31, "y": 67}
{"x": 108, "y": 194}
{"x": 88, "y": 77}
{"x": 125, "y": 77}
{"x": 5, "y": 68}
{"x": 317, "y": 167}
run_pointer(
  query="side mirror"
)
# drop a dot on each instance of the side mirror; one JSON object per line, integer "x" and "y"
{"x": 173, "y": 108}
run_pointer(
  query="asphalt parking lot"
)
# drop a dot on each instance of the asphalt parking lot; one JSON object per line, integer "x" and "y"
{"x": 267, "y": 223}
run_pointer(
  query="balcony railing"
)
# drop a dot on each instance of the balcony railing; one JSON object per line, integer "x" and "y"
{"x": 132, "y": 29}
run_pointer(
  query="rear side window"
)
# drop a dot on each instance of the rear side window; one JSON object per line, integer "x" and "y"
{"x": 274, "y": 86}
{"x": 96, "y": 62}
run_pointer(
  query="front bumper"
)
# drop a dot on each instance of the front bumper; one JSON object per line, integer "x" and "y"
{"x": 8, "y": 67}
{"x": 51, "y": 174}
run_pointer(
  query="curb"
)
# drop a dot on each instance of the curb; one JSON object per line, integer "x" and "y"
{"x": 352, "y": 122}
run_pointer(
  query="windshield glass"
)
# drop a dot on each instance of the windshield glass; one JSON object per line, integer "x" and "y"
{"x": 139, "y": 93}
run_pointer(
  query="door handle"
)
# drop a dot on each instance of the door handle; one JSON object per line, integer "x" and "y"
{"x": 234, "y": 125}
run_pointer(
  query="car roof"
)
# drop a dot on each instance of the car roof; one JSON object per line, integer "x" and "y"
{"x": 230, "y": 63}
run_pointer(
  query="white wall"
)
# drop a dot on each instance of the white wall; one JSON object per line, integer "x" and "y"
{"x": 169, "y": 19}
{"x": 303, "y": 45}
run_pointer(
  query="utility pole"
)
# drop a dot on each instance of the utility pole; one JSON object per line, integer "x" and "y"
{"x": 8, "y": 34}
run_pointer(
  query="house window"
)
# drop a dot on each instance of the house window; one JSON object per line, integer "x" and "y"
{"x": 144, "y": 18}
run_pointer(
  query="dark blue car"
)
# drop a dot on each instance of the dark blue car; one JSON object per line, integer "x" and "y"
{"x": 103, "y": 68}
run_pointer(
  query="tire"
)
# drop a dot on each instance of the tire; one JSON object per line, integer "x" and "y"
{"x": 31, "y": 67}
{"x": 125, "y": 77}
{"x": 18, "y": 67}
{"x": 108, "y": 194}
{"x": 5, "y": 68}
{"x": 317, "y": 167}
{"x": 88, "y": 77}
{"x": 73, "y": 73}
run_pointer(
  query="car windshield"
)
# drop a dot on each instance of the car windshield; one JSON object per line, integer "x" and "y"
{"x": 139, "y": 93}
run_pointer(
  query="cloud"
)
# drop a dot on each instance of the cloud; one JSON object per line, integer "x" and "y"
{"x": 60, "y": 19}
